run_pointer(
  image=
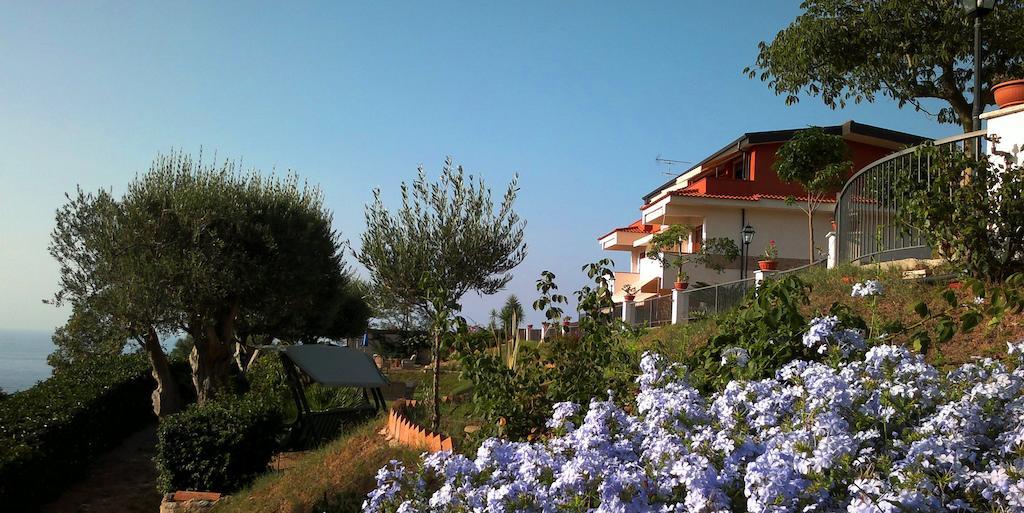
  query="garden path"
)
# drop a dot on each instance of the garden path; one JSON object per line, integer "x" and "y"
{"x": 120, "y": 481}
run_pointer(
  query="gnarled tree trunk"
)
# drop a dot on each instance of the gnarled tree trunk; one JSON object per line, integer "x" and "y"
{"x": 166, "y": 399}
{"x": 212, "y": 355}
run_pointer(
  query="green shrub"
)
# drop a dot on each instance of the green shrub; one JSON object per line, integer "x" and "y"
{"x": 51, "y": 432}
{"x": 769, "y": 327}
{"x": 220, "y": 445}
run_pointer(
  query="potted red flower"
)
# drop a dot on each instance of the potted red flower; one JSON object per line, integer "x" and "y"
{"x": 1008, "y": 92}
{"x": 682, "y": 280}
{"x": 629, "y": 292}
{"x": 770, "y": 262}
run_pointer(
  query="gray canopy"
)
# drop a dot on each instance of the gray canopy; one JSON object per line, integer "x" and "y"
{"x": 336, "y": 366}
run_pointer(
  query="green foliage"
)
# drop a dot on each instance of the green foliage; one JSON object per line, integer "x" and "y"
{"x": 855, "y": 50}
{"x": 209, "y": 250}
{"x": 220, "y": 445}
{"x": 511, "y": 315}
{"x": 516, "y": 400}
{"x": 50, "y": 433}
{"x": 549, "y": 299}
{"x": 714, "y": 253}
{"x": 971, "y": 211}
{"x": 446, "y": 239}
{"x": 86, "y": 334}
{"x": 814, "y": 159}
{"x": 768, "y": 326}
{"x": 819, "y": 162}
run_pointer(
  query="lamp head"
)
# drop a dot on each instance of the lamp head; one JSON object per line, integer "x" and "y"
{"x": 978, "y": 7}
{"x": 748, "y": 234}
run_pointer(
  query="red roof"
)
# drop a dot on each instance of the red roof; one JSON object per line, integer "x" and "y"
{"x": 637, "y": 226}
{"x": 751, "y": 197}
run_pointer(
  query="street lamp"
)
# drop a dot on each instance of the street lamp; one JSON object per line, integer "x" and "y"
{"x": 978, "y": 9}
{"x": 748, "y": 236}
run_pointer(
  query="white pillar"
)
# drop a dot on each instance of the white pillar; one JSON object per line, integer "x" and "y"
{"x": 529, "y": 331}
{"x": 833, "y": 249}
{"x": 629, "y": 312}
{"x": 760, "y": 276}
{"x": 1007, "y": 125}
{"x": 680, "y": 306}
{"x": 543, "y": 330}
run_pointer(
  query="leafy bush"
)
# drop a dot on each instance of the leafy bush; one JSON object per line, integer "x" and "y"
{"x": 884, "y": 432}
{"x": 970, "y": 211}
{"x": 219, "y": 445}
{"x": 514, "y": 394}
{"x": 767, "y": 329}
{"x": 51, "y": 432}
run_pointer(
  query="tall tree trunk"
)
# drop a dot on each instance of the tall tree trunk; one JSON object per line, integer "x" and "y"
{"x": 166, "y": 398}
{"x": 810, "y": 235}
{"x": 436, "y": 421}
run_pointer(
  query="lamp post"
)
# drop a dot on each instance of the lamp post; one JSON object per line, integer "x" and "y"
{"x": 978, "y": 9}
{"x": 748, "y": 236}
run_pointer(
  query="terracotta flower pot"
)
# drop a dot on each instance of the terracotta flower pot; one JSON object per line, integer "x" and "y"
{"x": 630, "y": 297}
{"x": 681, "y": 285}
{"x": 1009, "y": 93}
{"x": 768, "y": 265}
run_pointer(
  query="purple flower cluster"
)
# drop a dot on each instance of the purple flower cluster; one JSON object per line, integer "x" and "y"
{"x": 883, "y": 433}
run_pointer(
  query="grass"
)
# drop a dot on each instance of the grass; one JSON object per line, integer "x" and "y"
{"x": 828, "y": 286}
{"x": 334, "y": 478}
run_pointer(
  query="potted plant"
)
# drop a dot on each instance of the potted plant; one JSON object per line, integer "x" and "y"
{"x": 770, "y": 262}
{"x": 629, "y": 292}
{"x": 667, "y": 248}
{"x": 1007, "y": 91}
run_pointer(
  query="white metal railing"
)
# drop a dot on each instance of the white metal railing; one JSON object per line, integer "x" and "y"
{"x": 867, "y": 205}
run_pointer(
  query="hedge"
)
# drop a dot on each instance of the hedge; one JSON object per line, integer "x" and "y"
{"x": 51, "y": 432}
{"x": 217, "y": 446}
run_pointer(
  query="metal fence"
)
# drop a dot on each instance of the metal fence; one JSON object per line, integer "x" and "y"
{"x": 716, "y": 299}
{"x": 868, "y": 227}
{"x": 655, "y": 311}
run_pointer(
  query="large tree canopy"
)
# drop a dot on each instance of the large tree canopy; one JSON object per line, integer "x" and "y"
{"x": 226, "y": 256}
{"x": 907, "y": 50}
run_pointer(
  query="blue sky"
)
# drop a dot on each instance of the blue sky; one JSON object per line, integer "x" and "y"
{"x": 577, "y": 97}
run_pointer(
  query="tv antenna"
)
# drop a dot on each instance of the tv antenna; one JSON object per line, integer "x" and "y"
{"x": 670, "y": 163}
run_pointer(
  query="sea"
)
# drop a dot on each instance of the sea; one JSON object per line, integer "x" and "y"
{"x": 23, "y": 358}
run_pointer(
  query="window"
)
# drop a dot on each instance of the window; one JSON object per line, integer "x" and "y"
{"x": 741, "y": 168}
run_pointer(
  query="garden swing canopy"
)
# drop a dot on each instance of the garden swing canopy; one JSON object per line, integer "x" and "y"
{"x": 336, "y": 366}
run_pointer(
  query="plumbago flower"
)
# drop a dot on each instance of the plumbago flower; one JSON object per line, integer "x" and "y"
{"x": 868, "y": 288}
{"x": 885, "y": 432}
{"x": 824, "y": 335}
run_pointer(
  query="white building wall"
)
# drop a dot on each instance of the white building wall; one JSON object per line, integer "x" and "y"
{"x": 787, "y": 227}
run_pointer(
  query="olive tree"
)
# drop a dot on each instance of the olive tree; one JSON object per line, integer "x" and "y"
{"x": 446, "y": 239}
{"x": 907, "y": 50}
{"x": 229, "y": 258}
{"x": 817, "y": 161}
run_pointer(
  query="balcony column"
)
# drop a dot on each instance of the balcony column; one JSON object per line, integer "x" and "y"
{"x": 832, "y": 239}
{"x": 1008, "y": 125}
{"x": 629, "y": 312}
{"x": 680, "y": 307}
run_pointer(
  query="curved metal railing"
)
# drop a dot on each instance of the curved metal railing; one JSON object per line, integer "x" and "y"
{"x": 868, "y": 228}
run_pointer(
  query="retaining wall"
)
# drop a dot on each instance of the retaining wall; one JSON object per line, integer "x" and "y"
{"x": 406, "y": 432}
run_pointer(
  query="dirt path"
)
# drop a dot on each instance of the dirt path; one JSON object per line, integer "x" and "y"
{"x": 121, "y": 481}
